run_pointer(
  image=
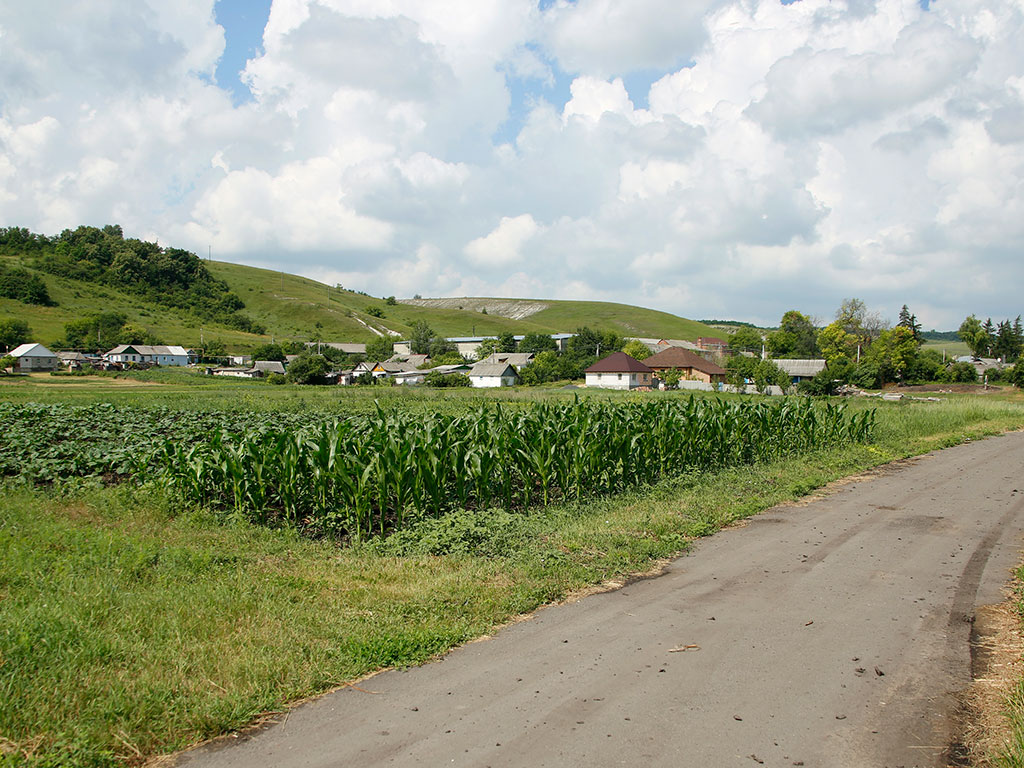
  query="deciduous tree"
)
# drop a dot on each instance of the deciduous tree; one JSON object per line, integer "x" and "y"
{"x": 13, "y": 332}
{"x": 746, "y": 339}
{"x": 420, "y": 338}
{"x": 379, "y": 349}
{"x": 637, "y": 350}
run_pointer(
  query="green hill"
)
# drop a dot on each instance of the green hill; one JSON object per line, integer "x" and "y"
{"x": 291, "y": 307}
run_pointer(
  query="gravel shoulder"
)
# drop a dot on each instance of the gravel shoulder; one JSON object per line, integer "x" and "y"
{"x": 832, "y": 633}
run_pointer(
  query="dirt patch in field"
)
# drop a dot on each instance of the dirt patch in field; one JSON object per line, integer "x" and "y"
{"x": 953, "y": 389}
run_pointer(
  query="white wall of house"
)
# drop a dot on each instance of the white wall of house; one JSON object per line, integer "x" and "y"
{"x": 701, "y": 386}
{"x": 410, "y": 378}
{"x": 492, "y": 381}
{"x": 172, "y": 359}
{"x": 26, "y": 363}
{"x": 612, "y": 380}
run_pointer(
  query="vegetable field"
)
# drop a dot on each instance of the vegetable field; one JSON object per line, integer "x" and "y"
{"x": 370, "y": 475}
{"x": 45, "y": 443}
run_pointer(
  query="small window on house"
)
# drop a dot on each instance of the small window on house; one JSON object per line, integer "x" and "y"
{"x": 620, "y": 377}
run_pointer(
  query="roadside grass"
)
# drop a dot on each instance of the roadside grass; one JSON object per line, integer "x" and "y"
{"x": 1011, "y": 753}
{"x": 130, "y": 629}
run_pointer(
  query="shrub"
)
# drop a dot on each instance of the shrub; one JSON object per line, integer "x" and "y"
{"x": 439, "y": 379}
{"x": 963, "y": 373}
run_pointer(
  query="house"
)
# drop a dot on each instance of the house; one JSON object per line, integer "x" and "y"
{"x": 800, "y": 370}
{"x": 712, "y": 343}
{"x": 619, "y": 371}
{"x": 493, "y": 375}
{"x": 34, "y": 357}
{"x": 416, "y": 360}
{"x": 469, "y": 345}
{"x": 344, "y": 378}
{"x": 160, "y": 354}
{"x": 453, "y": 368}
{"x": 263, "y": 368}
{"x": 75, "y": 361}
{"x": 518, "y": 359}
{"x": 239, "y": 360}
{"x": 692, "y": 366}
{"x": 346, "y": 347}
{"x": 409, "y": 377}
{"x": 390, "y": 369}
{"x": 663, "y": 344}
{"x": 238, "y": 373}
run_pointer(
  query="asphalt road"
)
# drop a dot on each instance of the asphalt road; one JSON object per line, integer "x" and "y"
{"x": 829, "y": 634}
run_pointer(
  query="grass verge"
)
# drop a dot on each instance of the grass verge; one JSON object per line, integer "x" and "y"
{"x": 129, "y": 629}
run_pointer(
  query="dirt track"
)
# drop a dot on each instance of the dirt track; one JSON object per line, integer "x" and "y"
{"x": 830, "y": 634}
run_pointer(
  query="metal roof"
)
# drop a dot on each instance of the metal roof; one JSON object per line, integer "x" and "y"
{"x": 802, "y": 368}
{"x": 678, "y": 357}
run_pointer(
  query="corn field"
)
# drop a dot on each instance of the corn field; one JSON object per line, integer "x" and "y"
{"x": 373, "y": 474}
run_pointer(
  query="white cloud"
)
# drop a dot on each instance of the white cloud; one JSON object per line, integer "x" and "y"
{"x": 608, "y": 37}
{"x": 592, "y": 98}
{"x": 503, "y": 245}
{"x": 789, "y": 155}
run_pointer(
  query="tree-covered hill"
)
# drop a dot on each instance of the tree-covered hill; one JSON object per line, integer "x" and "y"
{"x": 171, "y": 277}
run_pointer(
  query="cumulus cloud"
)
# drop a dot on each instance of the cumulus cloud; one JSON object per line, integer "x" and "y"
{"x": 503, "y": 245}
{"x": 787, "y": 156}
{"x": 607, "y": 37}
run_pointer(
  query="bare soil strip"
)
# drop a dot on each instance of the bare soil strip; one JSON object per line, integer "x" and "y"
{"x": 837, "y": 633}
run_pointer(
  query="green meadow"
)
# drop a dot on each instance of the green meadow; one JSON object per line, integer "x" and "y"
{"x": 133, "y": 626}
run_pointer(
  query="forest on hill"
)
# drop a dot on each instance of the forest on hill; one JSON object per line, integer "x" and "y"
{"x": 170, "y": 277}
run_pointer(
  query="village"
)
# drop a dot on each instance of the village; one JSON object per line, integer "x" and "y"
{"x": 661, "y": 364}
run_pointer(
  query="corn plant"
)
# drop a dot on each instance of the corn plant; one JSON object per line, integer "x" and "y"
{"x": 372, "y": 474}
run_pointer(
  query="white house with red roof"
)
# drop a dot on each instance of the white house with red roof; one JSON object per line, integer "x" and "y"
{"x": 619, "y": 371}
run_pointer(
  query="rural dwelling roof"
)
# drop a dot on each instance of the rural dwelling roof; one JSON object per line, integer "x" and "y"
{"x": 711, "y": 341}
{"x": 452, "y": 368}
{"x": 31, "y": 350}
{"x": 492, "y": 369}
{"x": 517, "y": 359}
{"x": 146, "y": 349}
{"x": 677, "y": 343}
{"x": 395, "y": 367}
{"x": 268, "y": 366}
{"x": 678, "y": 357}
{"x": 344, "y": 346}
{"x": 74, "y": 356}
{"x": 416, "y": 360}
{"x": 802, "y": 368}
{"x": 618, "y": 362}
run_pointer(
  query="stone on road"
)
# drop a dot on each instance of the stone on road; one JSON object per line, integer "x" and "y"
{"x": 835, "y": 633}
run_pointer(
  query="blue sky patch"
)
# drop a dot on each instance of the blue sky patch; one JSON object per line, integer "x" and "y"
{"x": 243, "y": 22}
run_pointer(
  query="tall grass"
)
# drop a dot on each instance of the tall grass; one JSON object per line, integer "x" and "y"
{"x": 369, "y": 475}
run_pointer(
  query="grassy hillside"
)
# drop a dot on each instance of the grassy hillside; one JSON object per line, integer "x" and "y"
{"x": 76, "y": 299}
{"x": 290, "y": 307}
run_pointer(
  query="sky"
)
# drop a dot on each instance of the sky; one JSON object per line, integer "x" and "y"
{"x": 710, "y": 158}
